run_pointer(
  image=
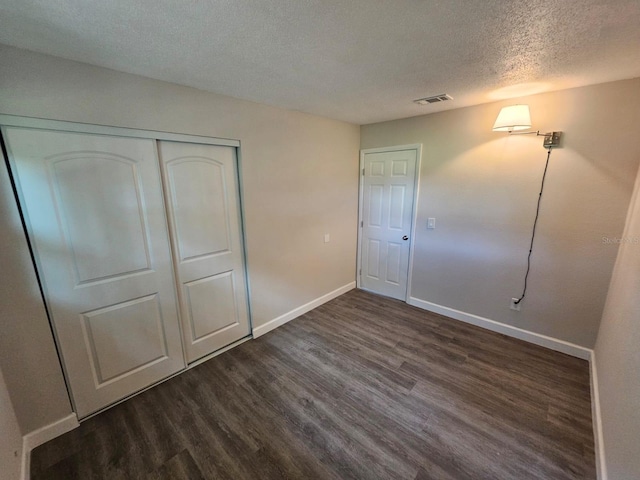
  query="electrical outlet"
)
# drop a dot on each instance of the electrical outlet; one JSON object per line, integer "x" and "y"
{"x": 514, "y": 306}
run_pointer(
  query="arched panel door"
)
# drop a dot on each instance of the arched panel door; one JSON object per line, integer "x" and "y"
{"x": 94, "y": 209}
{"x": 201, "y": 192}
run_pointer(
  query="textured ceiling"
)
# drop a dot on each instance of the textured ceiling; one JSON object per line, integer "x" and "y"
{"x": 361, "y": 61}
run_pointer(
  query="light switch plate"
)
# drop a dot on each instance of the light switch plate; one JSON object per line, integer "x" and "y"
{"x": 431, "y": 223}
{"x": 327, "y": 238}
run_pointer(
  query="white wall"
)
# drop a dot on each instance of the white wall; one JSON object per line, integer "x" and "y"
{"x": 483, "y": 186}
{"x": 10, "y": 437}
{"x": 299, "y": 174}
{"x": 617, "y": 355}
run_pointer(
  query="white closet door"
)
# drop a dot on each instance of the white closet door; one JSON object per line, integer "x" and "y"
{"x": 201, "y": 190}
{"x": 95, "y": 213}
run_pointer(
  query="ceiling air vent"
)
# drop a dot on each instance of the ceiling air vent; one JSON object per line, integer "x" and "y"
{"x": 435, "y": 99}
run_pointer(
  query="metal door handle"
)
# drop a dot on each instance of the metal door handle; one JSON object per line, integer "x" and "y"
{"x": 405, "y": 238}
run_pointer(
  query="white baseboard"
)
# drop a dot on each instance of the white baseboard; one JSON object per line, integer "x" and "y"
{"x": 515, "y": 332}
{"x": 43, "y": 435}
{"x": 596, "y": 418}
{"x": 296, "y": 312}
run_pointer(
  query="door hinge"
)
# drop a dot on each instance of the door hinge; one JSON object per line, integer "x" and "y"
{"x": 363, "y": 172}
{"x": 360, "y": 272}
{"x": 361, "y": 223}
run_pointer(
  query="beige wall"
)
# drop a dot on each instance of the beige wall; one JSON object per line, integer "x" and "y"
{"x": 27, "y": 353}
{"x": 299, "y": 172}
{"x": 10, "y": 437}
{"x": 617, "y": 356}
{"x": 483, "y": 186}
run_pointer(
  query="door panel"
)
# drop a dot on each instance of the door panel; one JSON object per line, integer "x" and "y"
{"x": 80, "y": 184}
{"x": 399, "y": 168}
{"x": 396, "y": 207}
{"x": 387, "y": 210}
{"x": 143, "y": 344}
{"x": 377, "y": 169}
{"x": 212, "y": 305}
{"x": 203, "y": 202}
{"x": 376, "y": 197}
{"x": 196, "y": 185}
{"x": 394, "y": 263}
{"x": 94, "y": 208}
{"x": 373, "y": 259}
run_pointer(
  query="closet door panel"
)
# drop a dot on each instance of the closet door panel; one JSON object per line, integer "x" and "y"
{"x": 211, "y": 302}
{"x": 201, "y": 191}
{"x": 94, "y": 208}
{"x": 198, "y": 190}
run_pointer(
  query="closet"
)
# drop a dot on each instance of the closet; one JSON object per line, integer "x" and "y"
{"x": 138, "y": 246}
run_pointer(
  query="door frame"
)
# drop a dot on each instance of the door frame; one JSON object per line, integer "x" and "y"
{"x": 414, "y": 207}
{"x": 155, "y": 136}
{"x": 64, "y": 126}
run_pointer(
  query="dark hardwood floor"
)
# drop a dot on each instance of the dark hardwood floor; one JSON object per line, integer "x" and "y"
{"x": 363, "y": 387}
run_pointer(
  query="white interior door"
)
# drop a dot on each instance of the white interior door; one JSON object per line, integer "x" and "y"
{"x": 202, "y": 194}
{"x": 94, "y": 208}
{"x": 387, "y": 187}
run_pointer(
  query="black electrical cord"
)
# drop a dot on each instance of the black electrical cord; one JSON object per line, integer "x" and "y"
{"x": 533, "y": 234}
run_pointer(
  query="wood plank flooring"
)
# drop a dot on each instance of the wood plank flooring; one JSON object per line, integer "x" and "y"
{"x": 363, "y": 387}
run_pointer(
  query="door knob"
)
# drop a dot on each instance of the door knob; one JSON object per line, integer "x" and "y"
{"x": 405, "y": 238}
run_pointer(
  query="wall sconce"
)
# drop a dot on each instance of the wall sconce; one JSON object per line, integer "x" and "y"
{"x": 511, "y": 119}
{"x": 517, "y": 117}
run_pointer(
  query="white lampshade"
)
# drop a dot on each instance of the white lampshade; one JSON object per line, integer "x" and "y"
{"x": 513, "y": 117}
